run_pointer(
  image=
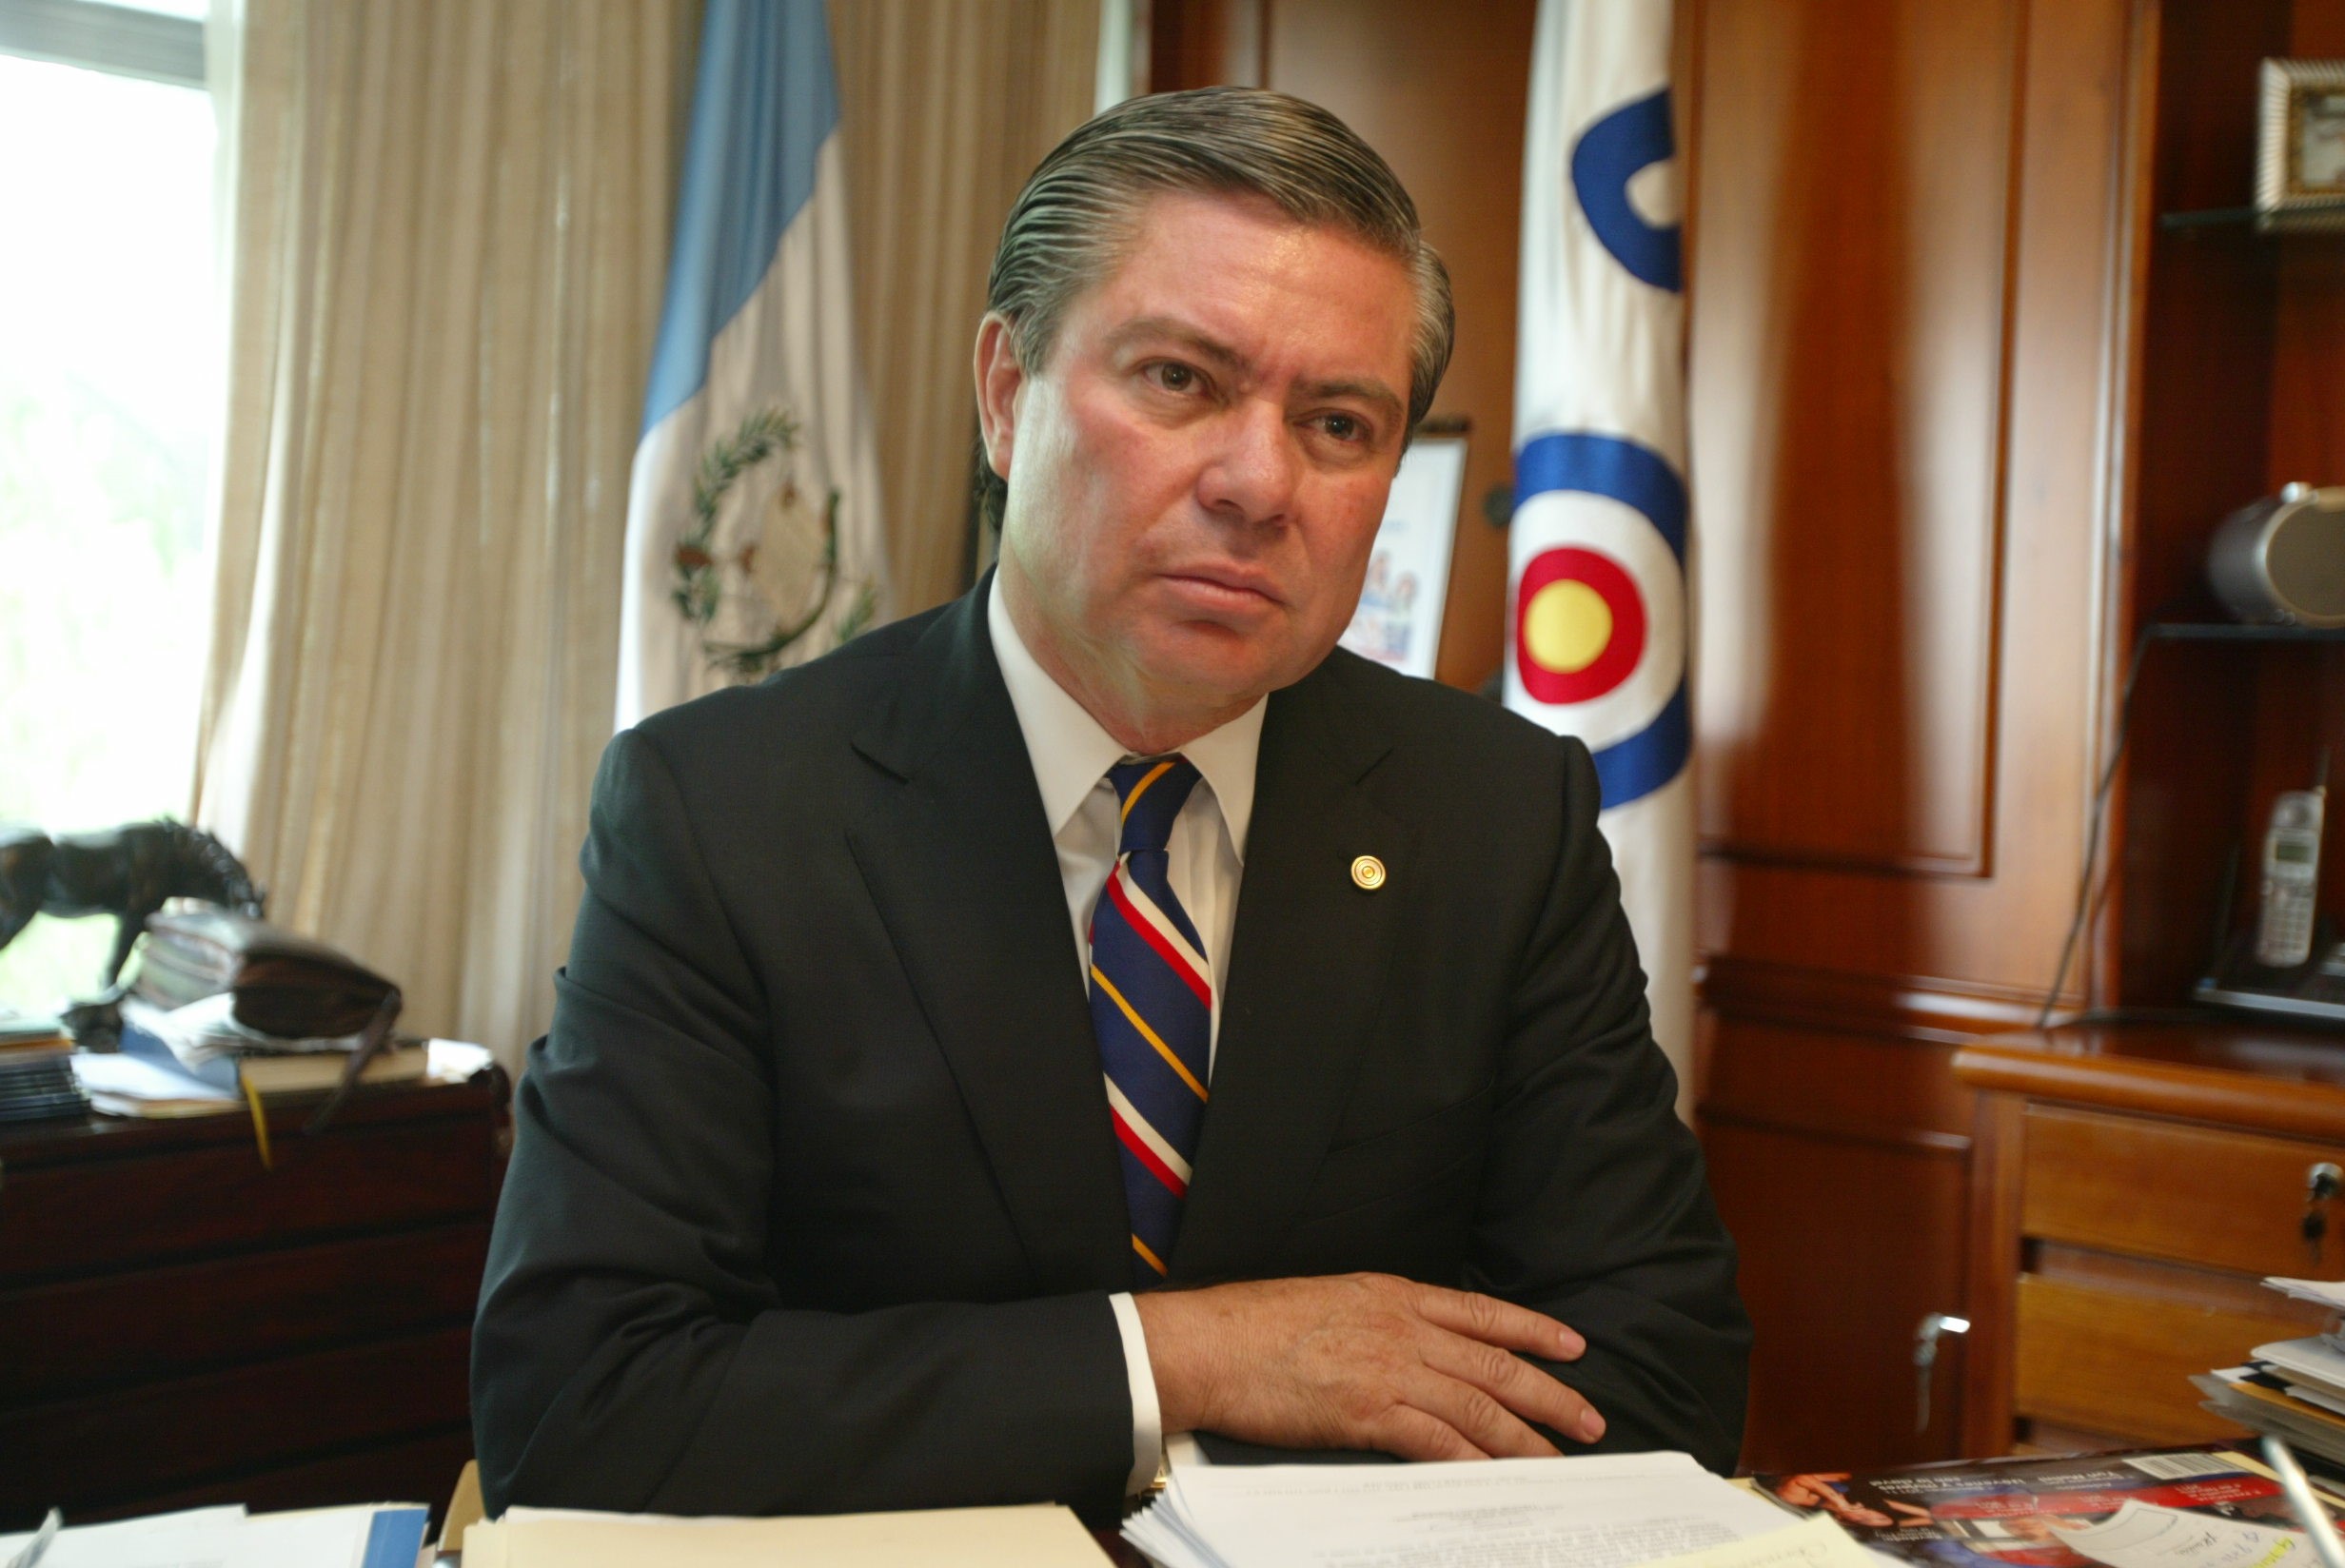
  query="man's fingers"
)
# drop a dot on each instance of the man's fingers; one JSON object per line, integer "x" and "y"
{"x": 1475, "y": 1415}
{"x": 1494, "y": 1322}
{"x": 1517, "y": 1384}
{"x": 1409, "y": 1433}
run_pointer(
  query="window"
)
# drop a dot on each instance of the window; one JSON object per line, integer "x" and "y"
{"x": 110, "y": 394}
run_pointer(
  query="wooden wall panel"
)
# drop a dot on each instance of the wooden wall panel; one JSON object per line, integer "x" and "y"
{"x": 1851, "y": 296}
{"x": 2027, "y": 330}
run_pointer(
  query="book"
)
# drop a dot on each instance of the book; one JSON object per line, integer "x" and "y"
{"x": 24, "y": 1033}
{"x": 2035, "y": 1512}
{"x": 307, "y": 1074}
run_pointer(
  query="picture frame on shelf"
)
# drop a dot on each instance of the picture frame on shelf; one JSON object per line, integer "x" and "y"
{"x": 2300, "y": 146}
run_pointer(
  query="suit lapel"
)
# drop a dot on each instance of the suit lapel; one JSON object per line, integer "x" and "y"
{"x": 957, "y": 856}
{"x": 1306, "y": 962}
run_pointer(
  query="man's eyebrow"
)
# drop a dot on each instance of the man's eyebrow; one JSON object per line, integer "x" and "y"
{"x": 1222, "y": 356}
{"x": 1375, "y": 394}
{"x": 1220, "y": 353}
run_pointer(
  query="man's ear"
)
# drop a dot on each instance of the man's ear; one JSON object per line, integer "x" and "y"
{"x": 999, "y": 379}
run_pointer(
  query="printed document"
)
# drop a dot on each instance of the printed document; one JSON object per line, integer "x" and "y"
{"x": 1814, "y": 1542}
{"x": 2142, "y": 1534}
{"x": 1602, "y": 1511}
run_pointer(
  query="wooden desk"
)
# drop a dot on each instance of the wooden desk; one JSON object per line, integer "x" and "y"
{"x": 179, "y": 1325}
{"x": 2130, "y": 1185}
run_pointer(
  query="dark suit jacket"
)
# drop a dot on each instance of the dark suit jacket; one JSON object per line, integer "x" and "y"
{"x": 815, "y": 1204}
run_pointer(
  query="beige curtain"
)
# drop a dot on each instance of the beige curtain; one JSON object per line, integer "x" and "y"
{"x": 450, "y": 228}
{"x": 945, "y": 107}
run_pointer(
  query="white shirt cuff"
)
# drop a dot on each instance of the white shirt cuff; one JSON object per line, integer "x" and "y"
{"x": 1147, "y": 1419}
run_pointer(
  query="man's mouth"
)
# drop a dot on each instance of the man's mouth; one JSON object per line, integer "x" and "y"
{"x": 1232, "y": 588}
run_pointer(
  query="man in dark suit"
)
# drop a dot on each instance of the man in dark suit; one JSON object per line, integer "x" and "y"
{"x": 1097, "y": 1009}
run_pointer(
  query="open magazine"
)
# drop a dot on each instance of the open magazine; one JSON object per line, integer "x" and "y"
{"x": 2070, "y": 1512}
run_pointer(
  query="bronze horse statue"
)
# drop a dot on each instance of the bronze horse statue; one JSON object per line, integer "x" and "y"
{"x": 126, "y": 871}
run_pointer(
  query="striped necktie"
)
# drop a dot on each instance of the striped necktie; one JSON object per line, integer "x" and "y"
{"x": 1151, "y": 1006}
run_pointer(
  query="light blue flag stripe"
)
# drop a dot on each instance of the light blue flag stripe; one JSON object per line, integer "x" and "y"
{"x": 763, "y": 107}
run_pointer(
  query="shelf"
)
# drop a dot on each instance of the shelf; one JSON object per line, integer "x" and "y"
{"x": 2232, "y": 631}
{"x": 2248, "y": 217}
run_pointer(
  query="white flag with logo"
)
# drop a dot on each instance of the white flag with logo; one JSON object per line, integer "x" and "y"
{"x": 753, "y": 513}
{"x": 1599, "y": 571}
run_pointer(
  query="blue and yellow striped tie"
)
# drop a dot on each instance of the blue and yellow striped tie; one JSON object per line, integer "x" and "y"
{"x": 1152, "y": 1005}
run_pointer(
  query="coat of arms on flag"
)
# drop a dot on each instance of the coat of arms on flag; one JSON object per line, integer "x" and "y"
{"x": 753, "y": 517}
{"x": 756, "y": 588}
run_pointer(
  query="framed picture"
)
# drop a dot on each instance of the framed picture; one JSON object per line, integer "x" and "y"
{"x": 2301, "y": 150}
{"x": 1399, "y": 618}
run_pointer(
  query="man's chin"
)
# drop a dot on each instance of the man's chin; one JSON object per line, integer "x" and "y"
{"x": 1212, "y": 661}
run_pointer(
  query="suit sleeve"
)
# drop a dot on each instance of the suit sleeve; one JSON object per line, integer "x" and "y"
{"x": 630, "y": 1352}
{"x": 1596, "y": 1208}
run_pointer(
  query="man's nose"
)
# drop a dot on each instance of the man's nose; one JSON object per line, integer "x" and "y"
{"x": 1252, "y": 477}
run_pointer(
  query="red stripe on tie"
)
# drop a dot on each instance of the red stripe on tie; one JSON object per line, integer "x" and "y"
{"x": 1147, "y": 1156}
{"x": 1140, "y": 922}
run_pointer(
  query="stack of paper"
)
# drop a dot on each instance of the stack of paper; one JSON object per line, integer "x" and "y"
{"x": 2292, "y": 1388}
{"x": 1038, "y": 1537}
{"x": 145, "y": 1079}
{"x": 1602, "y": 1511}
{"x": 388, "y": 1535}
{"x": 2328, "y": 1293}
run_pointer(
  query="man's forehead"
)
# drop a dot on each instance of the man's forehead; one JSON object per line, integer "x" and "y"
{"x": 1189, "y": 265}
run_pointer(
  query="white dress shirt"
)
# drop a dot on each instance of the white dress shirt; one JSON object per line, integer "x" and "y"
{"x": 1070, "y": 756}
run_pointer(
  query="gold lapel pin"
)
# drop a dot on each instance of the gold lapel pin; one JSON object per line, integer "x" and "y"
{"x": 1367, "y": 873}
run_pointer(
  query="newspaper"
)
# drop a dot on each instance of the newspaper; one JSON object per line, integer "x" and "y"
{"x": 2032, "y": 1513}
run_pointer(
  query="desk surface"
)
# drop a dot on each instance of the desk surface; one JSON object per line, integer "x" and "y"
{"x": 2255, "y": 1075}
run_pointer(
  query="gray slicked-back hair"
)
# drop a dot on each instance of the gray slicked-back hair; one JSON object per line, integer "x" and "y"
{"x": 1069, "y": 226}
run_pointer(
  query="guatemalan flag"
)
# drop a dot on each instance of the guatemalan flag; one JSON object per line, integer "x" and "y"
{"x": 753, "y": 515}
{"x": 1599, "y": 569}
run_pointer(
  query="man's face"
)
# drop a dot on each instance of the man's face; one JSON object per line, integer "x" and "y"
{"x": 1197, "y": 472}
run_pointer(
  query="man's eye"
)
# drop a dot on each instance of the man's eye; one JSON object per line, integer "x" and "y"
{"x": 1172, "y": 377}
{"x": 1344, "y": 427}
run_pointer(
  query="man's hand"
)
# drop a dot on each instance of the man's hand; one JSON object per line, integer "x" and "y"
{"x": 1361, "y": 1360}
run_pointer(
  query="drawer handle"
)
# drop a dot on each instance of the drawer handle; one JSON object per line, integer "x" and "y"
{"x": 1933, "y": 1327}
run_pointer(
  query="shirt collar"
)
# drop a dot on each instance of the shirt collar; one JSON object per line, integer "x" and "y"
{"x": 1071, "y": 752}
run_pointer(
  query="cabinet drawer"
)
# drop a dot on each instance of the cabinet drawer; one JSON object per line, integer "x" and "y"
{"x": 2165, "y": 1190}
{"x": 169, "y": 1435}
{"x": 2120, "y": 1362}
{"x": 105, "y": 1331}
{"x": 65, "y": 1218}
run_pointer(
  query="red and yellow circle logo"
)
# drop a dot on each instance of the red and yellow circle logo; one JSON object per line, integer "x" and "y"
{"x": 1579, "y": 625}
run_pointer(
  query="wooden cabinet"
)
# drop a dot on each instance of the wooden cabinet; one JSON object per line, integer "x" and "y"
{"x": 180, "y": 1326}
{"x": 2131, "y": 1187}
